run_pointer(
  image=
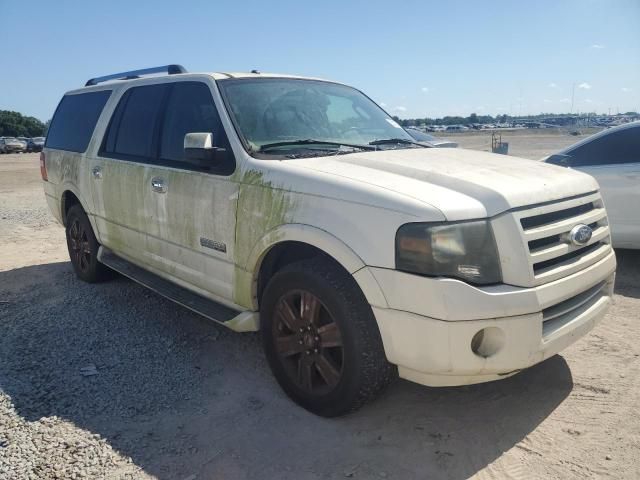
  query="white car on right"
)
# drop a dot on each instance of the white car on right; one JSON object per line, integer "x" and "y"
{"x": 613, "y": 158}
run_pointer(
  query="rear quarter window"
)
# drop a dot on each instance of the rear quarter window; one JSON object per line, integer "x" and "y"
{"x": 75, "y": 119}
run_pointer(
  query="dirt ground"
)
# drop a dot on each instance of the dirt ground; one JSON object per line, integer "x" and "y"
{"x": 111, "y": 381}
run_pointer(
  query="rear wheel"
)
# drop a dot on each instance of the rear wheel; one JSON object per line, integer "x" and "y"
{"x": 321, "y": 338}
{"x": 83, "y": 247}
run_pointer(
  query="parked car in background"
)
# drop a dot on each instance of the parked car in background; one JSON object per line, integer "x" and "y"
{"x": 457, "y": 128}
{"x": 25, "y": 140}
{"x": 36, "y": 144}
{"x": 613, "y": 158}
{"x": 430, "y": 140}
{"x": 12, "y": 145}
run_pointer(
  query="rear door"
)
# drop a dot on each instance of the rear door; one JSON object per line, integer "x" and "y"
{"x": 121, "y": 173}
{"x": 614, "y": 160}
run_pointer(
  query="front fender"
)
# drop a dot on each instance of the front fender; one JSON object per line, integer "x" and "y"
{"x": 321, "y": 239}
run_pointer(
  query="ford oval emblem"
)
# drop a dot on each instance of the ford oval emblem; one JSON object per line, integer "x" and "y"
{"x": 580, "y": 234}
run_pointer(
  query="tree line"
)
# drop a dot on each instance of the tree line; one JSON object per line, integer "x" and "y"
{"x": 14, "y": 124}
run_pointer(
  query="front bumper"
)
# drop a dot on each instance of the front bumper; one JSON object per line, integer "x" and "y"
{"x": 431, "y": 344}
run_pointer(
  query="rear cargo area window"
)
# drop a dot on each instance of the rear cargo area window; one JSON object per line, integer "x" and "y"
{"x": 75, "y": 119}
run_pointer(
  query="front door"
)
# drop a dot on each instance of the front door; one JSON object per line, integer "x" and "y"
{"x": 194, "y": 208}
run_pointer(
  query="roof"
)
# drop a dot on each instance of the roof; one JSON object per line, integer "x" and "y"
{"x": 109, "y": 84}
{"x": 224, "y": 75}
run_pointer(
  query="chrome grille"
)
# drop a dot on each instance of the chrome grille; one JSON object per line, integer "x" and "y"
{"x": 545, "y": 231}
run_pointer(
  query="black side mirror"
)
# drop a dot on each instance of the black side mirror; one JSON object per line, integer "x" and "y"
{"x": 200, "y": 151}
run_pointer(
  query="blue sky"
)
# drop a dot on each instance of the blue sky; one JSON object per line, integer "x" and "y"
{"x": 418, "y": 58}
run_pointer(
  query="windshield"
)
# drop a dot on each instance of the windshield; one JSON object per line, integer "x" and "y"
{"x": 420, "y": 136}
{"x": 273, "y": 111}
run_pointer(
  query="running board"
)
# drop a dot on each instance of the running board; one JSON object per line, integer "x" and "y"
{"x": 239, "y": 321}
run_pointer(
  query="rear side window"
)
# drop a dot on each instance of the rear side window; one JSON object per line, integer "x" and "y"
{"x": 618, "y": 147}
{"x": 134, "y": 123}
{"x": 75, "y": 119}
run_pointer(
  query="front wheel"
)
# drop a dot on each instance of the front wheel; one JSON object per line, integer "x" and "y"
{"x": 83, "y": 247}
{"x": 321, "y": 338}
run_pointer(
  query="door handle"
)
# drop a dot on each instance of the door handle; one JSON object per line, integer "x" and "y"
{"x": 158, "y": 185}
{"x": 97, "y": 173}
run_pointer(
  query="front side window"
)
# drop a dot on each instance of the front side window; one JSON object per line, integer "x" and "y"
{"x": 268, "y": 111}
{"x": 618, "y": 147}
{"x": 190, "y": 109}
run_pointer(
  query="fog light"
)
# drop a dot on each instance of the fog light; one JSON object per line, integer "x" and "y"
{"x": 487, "y": 342}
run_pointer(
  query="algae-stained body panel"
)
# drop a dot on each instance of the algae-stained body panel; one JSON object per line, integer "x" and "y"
{"x": 122, "y": 211}
{"x": 195, "y": 228}
{"x": 262, "y": 207}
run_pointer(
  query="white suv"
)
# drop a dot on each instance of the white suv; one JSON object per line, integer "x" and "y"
{"x": 299, "y": 208}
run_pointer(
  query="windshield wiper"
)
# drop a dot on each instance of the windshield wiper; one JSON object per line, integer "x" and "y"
{"x": 398, "y": 141}
{"x": 310, "y": 141}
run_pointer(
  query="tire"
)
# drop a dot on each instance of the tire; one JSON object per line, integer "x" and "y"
{"x": 83, "y": 247}
{"x": 321, "y": 338}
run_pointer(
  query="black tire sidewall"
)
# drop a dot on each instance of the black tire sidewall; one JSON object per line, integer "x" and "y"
{"x": 343, "y": 309}
{"x": 96, "y": 270}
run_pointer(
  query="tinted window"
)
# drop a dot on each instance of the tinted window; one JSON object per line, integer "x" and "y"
{"x": 133, "y": 126}
{"x": 190, "y": 109}
{"x": 622, "y": 146}
{"x": 75, "y": 119}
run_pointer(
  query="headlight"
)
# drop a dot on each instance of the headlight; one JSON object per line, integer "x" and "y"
{"x": 465, "y": 250}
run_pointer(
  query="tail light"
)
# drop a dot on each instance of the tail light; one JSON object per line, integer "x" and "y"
{"x": 43, "y": 167}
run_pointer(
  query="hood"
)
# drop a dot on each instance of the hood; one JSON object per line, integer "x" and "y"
{"x": 461, "y": 183}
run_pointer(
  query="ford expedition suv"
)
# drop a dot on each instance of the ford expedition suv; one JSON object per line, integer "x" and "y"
{"x": 297, "y": 207}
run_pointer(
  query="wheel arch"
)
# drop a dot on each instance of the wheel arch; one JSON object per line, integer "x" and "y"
{"x": 71, "y": 196}
{"x": 293, "y": 242}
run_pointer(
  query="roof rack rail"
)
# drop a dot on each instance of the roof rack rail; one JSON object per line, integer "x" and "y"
{"x": 169, "y": 69}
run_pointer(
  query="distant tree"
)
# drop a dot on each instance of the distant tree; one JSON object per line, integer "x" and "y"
{"x": 47, "y": 124}
{"x": 14, "y": 124}
{"x": 473, "y": 118}
{"x": 453, "y": 120}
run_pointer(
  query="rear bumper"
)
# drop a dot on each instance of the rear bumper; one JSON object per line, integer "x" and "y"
{"x": 438, "y": 352}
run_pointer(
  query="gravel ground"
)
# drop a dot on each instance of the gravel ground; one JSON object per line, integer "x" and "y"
{"x": 111, "y": 381}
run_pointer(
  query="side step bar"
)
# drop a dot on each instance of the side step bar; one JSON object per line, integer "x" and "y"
{"x": 246, "y": 321}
